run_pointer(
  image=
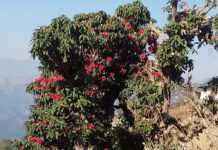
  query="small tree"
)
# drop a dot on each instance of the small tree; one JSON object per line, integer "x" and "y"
{"x": 88, "y": 62}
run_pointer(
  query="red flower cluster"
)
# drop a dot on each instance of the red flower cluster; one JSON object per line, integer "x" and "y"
{"x": 93, "y": 91}
{"x": 128, "y": 26}
{"x": 35, "y": 140}
{"x": 157, "y": 75}
{"x": 22, "y": 148}
{"x": 45, "y": 124}
{"x": 152, "y": 49}
{"x": 148, "y": 61}
{"x": 38, "y": 122}
{"x": 151, "y": 39}
{"x": 41, "y": 82}
{"x": 42, "y": 87}
{"x": 44, "y": 80}
{"x": 57, "y": 77}
{"x": 141, "y": 32}
{"x": 133, "y": 38}
{"x": 109, "y": 60}
{"x": 95, "y": 87}
{"x": 112, "y": 75}
{"x": 91, "y": 67}
{"x": 56, "y": 97}
{"x": 103, "y": 78}
{"x": 105, "y": 34}
{"x": 142, "y": 56}
{"x": 91, "y": 126}
{"x": 101, "y": 67}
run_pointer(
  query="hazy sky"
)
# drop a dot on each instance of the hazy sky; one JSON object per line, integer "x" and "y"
{"x": 19, "y": 18}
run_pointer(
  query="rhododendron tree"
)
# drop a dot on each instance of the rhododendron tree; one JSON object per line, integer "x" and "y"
{"x": 90, "y": 61}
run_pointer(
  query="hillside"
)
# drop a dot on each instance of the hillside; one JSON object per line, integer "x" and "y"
{"x": 15, "y": 74}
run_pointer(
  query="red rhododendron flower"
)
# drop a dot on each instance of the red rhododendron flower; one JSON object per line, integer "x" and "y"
{"x": 109, "y": 60}
{"x": 103, "y": 78}
{"x": 56, "y": 97}
{"x": 45, "y": 124}
{"x": 135, "y": 39}
{"x": 95, "y": 87}
{"x": 39, "y": 79}
{"x": 148, "y": 61}
{"x": 45, "y": 88}
{"x": 91, "y": 126}
{"x": 50, "y": 80}
{"x": 157, "y": 75}
{"x": 88, "y": 73}
{"x": 91, "y": 93}
{"x": 101, "y": 67}
{"x": 92, "y": 65}
{"x": 37, "y": 86}
{"x": 151, "y": 39}
{"x": 141, "y": 32}
{"x": 131, "y": 36}
{"x": 105, "y": 34}
{"x": 32, "y": 139}
{"x": 22, "y": 148}
{"x": 142, "y": 56}
{"x": 57, "y": 77}
{"x": 39, "y": 141}
{"x": 43, "y": 81}
{"x": 38, "y": 122}
{"x": 112, "y": 74}
{"x": 128, "y": 26}
{"x": 152, "y": 49}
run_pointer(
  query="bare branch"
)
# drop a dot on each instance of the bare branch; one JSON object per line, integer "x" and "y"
{"x": 207, "y": 8}
{"x": 162, "y": 35}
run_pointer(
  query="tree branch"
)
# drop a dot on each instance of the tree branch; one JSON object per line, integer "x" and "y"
{"x": 207, "y": 8}
{"x": 162, "y": 35}
{"x": 174, "y": 9}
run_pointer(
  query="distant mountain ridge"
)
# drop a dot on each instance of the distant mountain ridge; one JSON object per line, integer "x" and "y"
{"x": 14, "y": 101}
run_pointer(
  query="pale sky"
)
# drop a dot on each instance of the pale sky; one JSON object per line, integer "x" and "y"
{"x": 20, "y": 18}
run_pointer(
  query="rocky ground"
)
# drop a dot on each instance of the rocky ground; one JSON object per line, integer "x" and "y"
{"x": 200, "y": 126}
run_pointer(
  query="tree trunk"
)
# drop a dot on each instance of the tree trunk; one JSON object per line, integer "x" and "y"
{"x": 166, "y": 96}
